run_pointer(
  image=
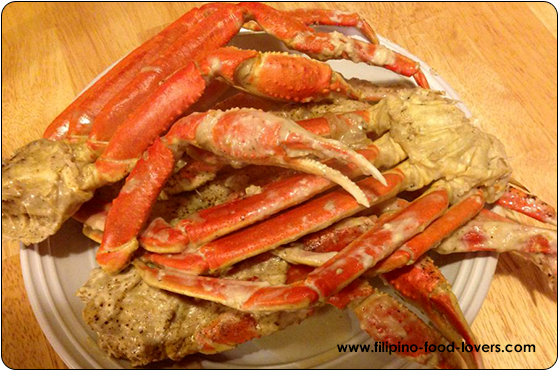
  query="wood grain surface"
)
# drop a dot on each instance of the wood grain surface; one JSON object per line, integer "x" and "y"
{"x": 500, "y": 57}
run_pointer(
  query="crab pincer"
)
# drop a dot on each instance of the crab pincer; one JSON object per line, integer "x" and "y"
{"x": 237, "y": 137}
{"x": 255, "y": 137}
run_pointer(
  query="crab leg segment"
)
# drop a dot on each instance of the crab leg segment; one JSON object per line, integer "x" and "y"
{"x": 356, "y": 290}
{"x": 226, "y": 332}
{"x": 76, "y": 121}
{"x": 491, "y": 232}
{"x": 206, "y": 35}
{"x": 323, "y": 46}
{"x": 529, "y": 205}
{"x": 327, "y": 17}
{"x": 387, "y": 320}
{"x": 454, "y": 218}
{"x": 131, "y": 208}
{"x": 229, "y": 292}
{"x": 148, "y": 122}
{"x": 350, "y": 128}
{"x": 254, "y": 137}
{"x": 424, "y": 285}
{"x": 266, "y": 74}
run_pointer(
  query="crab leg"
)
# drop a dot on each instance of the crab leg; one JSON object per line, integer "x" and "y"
{"x": 333, "y": 45}
{"x": 258, "y": 138}
{"x": 211, "y": 223}
{"x": 529, "y": 205}
{"x": 491, "y": 232}
{"x": 196, "y": 173}
{"x": 358, "y": 289}
{"x": 208, "y": 34}
{"x": 424, "y": 285}
{"x": 76, "y": 120}
{"x": 387, "y": 320}
{"x": 348, "y": 127}
{"x": 327, "y": 17}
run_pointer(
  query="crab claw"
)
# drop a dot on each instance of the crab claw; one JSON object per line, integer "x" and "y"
{"x": 425, "y": 286}
{"x": 238, "y": 137}
{"x": 256, "y": 137}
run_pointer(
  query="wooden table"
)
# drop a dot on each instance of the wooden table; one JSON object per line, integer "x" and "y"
{"x": 500, "y": 58}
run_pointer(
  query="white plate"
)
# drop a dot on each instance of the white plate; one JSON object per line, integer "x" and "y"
{"x": 55, "y": 269}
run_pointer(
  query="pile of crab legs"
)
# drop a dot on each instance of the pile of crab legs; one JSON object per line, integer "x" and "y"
{"x": 138, "y": 100}
{"x": 200, "y": 244}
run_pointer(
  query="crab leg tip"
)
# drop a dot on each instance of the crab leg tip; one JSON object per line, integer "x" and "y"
{"x": 370, "y": 169}
{"x": 315, "y": 167}
{"x": 378, "y": 176}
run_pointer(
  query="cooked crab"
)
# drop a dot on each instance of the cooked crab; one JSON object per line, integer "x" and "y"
{"x": 140, "y": 119}
{"x": 108, "y": 128}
